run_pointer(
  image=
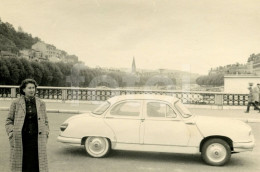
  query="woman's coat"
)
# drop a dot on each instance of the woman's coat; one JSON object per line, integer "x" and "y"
{"x": 14, "y": 124}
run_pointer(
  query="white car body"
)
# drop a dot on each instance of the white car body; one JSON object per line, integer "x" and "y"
{"x": 177, "y": 133}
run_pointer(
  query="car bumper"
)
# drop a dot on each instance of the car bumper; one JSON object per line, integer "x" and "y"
{"x": 69, "y": 140}
{"x": 242, "y": 147}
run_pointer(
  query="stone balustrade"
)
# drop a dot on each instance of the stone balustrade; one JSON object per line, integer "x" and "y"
{"x": 98, "y": 94}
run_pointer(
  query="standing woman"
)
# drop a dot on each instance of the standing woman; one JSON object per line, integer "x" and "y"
{"x": 27, "y": 128}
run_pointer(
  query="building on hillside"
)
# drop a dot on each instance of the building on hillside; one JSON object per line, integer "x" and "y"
{"x": 231, "y": 69}
{"x": 54, "y": 59}
{"x": 26, "y": 53}
{"x": 41, "y": 47}
{"x": 38, "y": 56}
{"x": 48, "y": 51}
{"x": 31, "y": 54}
{"x": 7, "y": 54}
{"x": 254, "y": 65}
{"x": 51, "y": 53}
{"x": 70, "y": 59}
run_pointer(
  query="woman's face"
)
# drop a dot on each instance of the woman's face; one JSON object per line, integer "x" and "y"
{"x": 29, "y": 90}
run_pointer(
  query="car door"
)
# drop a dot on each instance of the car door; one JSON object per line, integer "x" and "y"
{"x": 163, "y": 126}
{"x": 125, "y": 118}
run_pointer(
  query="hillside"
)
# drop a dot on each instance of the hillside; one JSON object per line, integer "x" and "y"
{"x": 12, "y": 40}
{"x": 13, "y": 70}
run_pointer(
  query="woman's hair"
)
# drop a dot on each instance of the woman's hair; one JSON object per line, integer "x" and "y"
{"x": 24, "y": 84}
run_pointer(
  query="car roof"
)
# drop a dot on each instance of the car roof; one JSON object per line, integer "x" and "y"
{"x": 143, "y": 97}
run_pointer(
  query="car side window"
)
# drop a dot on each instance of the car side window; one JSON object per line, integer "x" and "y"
{"x": 157, "y": 109}
{"x": 126, "y": 109}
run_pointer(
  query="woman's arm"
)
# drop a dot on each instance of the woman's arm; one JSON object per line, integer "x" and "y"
{"x": 46, "y": 119}
{"x": 9, "y": 123}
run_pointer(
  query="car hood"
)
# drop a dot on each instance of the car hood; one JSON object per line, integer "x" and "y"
{"x": 228, "y": 127}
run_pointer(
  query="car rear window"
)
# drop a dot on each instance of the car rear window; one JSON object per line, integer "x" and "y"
{"x": 126, "y": 109}
{"x": 101, "y": 108}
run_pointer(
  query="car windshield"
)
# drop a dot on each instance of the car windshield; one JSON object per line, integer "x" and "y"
{"x": 101, "y": 108}
{"x": 182, "y": 109}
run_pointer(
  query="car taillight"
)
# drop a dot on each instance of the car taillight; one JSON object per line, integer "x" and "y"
{"x": 63, "y": 126}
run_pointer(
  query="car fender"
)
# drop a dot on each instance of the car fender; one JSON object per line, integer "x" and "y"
{"x": 236, "y": 130}
{"x": 87, "y": 125}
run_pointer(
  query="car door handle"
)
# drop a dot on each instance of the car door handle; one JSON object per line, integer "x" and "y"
{"x": 190, "y": 123}
{"x": 142, "y": 120}
{"x": 109, "y": 117}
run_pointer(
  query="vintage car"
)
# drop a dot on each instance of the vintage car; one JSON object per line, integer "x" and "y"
{"x": 156, "y": 123}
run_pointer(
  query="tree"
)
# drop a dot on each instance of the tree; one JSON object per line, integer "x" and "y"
{"x": 13, "y": 70}
{"x": 212, "y": 80}
{"x": 65, "y": 69}
{"x": 14, "y": 41}
{"x": 4, "y": 72}
{"x": 47, "y": 77}
{"x": 7, "y": 44}
{"x": 28, "y": 70}
{"x": 37, "y": 72}
{"x": 57, "y": 75}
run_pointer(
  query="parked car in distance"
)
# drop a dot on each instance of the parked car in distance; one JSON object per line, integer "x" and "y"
{"x": 156, "y": 123}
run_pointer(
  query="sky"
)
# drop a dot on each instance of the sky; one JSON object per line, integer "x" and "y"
{"x": 190, "y": 35}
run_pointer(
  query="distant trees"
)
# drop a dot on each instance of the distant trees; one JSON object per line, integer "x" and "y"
{"x": 7, "y": 45}
{"x": 37, "y": 72}
{"x": 4, "y": 72}
{"x": 253, "y": 56}
{"x": 13, "y": 70}
{"x": 213, "y": 80}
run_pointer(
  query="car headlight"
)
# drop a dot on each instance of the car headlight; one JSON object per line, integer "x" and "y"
{"x": 64, "y": 126}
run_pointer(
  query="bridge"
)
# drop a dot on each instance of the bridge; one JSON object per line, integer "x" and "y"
{"x": 78, "y": 100}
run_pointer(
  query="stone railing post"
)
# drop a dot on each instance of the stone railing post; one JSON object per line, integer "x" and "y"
{"x": 13, "y": 92}
{"x": 64, "y": 95}
{"x": 219, "y": 100}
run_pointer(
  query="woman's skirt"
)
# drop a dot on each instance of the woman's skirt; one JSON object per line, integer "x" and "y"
{"x": 30, "y": 154}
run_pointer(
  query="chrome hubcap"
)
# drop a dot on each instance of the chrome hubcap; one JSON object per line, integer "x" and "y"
{"x": 216, "y": 152}
{"x": 97, "y": 145}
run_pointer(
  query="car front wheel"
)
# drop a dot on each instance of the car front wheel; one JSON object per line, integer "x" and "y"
{"x": 216, "y": 152}
{"x": 97, "y": 147}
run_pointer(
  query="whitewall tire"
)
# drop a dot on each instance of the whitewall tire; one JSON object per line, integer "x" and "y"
{"x": 97, "y": 147}
{"x": 216, "y": 152}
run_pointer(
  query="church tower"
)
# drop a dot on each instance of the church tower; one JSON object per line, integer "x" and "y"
{"x": 133, "y": 66}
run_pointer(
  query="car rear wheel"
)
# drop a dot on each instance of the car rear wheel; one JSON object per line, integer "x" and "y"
{"x": 97, "y": 147}
{"x": 216, "y": 152}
